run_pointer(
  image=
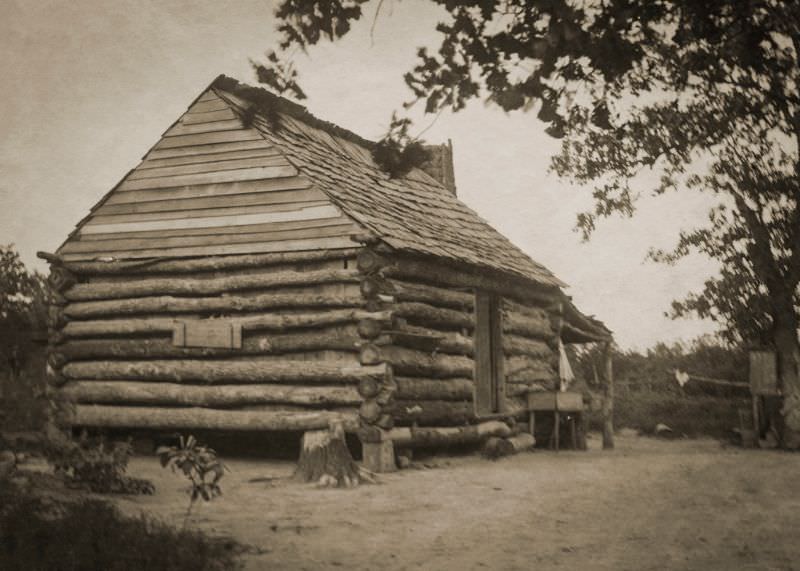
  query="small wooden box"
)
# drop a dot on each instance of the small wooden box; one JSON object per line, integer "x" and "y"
{"x": 763, "y": 373}
{"x": 379, "y": 456}
{"x": 551, "y": 400}
{"x": 217, "y": 333}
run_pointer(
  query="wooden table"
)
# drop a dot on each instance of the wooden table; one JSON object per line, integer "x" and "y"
{"x": 557, "y": 402}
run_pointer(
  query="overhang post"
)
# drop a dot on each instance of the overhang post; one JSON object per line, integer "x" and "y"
{"x": 608, "y": 398}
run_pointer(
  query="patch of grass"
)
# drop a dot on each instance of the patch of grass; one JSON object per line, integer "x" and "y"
{"x": 694, "y": 416}
{"x": 38, "y": 534}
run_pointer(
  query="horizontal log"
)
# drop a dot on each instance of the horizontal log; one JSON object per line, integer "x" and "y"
{"x": 132, "y": 392}
{"x": 334, "y": 339}
{"x": 205, "y": 264}
{"x": 411, "y": 362}
{"x": 528, "y": 326}
{"x": 437, "y": 296}
{"x": 411, "y": 388}
{"x": 193, "y": 286}
{"x": 432, "y": 412}
{"x": 201, "y": 305}
{"x": 436, "y": 272}
{"x": 99, "y": 328}
{"x": 104, "y": 416}
{"x": 222, "y": 372}
{"x": 448, "y": 341}
{"x": 447, "y": 436}
{"x": 528, "y": 369}
{"x": 515, "y": 345}
{"x": 424, "y": 314}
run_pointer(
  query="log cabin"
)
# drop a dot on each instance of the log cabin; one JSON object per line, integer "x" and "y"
{"x": 258, "y": 271}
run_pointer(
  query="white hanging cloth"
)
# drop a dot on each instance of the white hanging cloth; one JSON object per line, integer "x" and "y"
{"x": 564, "y": 369}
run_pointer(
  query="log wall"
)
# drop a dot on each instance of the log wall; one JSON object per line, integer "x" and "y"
{"x": 113, "y": 352}
{"x": 431, "y": 347}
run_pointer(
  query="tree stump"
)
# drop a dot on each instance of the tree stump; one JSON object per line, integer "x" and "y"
{"x": 326, "y": 460}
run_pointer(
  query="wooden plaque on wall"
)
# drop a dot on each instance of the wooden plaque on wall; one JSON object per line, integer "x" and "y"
{"x": 215, "y": 333}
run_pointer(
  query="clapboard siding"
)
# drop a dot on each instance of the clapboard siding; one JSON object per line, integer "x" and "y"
{"x": 303, "y": 195}
{"x": 256, "y": 173}
{"x": 224, "y": 250}
{"x": 224, "y": 114}
{"x": 208, "y": 149}
{"x": 207, "y": 127}
{"x": 209, "y": 138}
{"x": 208, "y": 158}
{"x": 211, "y": 190}
{"x": 246, "y": 228}
{"x": 208, "y": 106}
{"x": 217, "y": 166}
{"x": 205, "y": 240}
{"x": 243, "y": 216}
{"x": 209, "y": 213}
{"x": 211, "y": 186}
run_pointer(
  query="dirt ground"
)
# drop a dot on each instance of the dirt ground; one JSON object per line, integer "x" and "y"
{"x": 649, "y": 504}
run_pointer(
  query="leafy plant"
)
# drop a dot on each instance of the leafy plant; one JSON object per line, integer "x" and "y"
{"x": 199, "y": 464}
{"x": 95, "y": 463}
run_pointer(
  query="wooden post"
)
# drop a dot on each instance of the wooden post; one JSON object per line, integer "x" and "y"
{"x": 608, "y": 399}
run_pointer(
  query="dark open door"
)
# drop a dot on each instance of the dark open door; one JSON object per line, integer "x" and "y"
{"x": 489, "y": 381}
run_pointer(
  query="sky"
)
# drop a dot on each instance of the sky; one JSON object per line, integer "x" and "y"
{"x": 89, "y": 86}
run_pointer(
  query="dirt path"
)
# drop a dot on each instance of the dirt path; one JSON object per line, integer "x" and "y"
{"x": 647, "y": 505}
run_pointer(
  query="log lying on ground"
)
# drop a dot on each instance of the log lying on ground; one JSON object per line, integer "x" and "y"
{"x": 447, "y": 436}
{"x": 448, "y": 341}
{"x": 223, "y": 372}
{"x": 201, "y": 305}
{"x": 335, "y": 339}
{"x": 516, "y": 444}
{"x": 424, "y": 314}
{"x": 437, "y": 296}
{"x": 326, "y": 460}
{"x": 411, "y": 362}
{"x": 527, "y": 326}
{"x": 515, "y": 345}
{"x": 206, "y": 263}
{"x": 99, "y": 328}
{"x": 133, "y": 392}
{"x": 194, "y": 286}
{"x": 104, "y": 416}
{"x": 409, "y": 388}
{"x": 431, "y": 412}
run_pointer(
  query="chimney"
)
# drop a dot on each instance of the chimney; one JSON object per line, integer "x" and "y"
{"x": 440, "y": 165}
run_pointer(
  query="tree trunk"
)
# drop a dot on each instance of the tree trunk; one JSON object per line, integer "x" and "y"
{"x": 788, "y": 354}
{"x": 326, "y": 460}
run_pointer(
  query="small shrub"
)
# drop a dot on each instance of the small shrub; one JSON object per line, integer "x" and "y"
{"x": 95, "y": 464}
{"x": 44, "y": 535}
{"x": 199, "y": 464}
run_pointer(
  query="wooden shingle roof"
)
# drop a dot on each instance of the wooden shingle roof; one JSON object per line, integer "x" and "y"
{"x": 413, "y": 214}
{"x": 246, "y": 171}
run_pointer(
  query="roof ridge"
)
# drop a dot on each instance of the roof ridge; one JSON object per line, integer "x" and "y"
{"x": 261, "y": 96}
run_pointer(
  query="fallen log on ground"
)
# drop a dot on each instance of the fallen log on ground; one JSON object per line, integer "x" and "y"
{"x": 447, "y": 436}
